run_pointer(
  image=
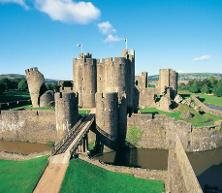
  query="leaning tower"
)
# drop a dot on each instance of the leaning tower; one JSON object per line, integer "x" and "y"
{"x": 35, "y": 80}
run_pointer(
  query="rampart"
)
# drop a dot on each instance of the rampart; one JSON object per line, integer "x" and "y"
{"x": 205, "y": 108}
{"x": 180, "y": 173}
{"x": 35, "y": 126}
{"x": 156, "y": 131}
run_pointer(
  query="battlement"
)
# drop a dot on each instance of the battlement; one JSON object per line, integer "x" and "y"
{"x": 65, "y": 96}
{"x": 30, "y": 70}
{"x": 113, "y": 60}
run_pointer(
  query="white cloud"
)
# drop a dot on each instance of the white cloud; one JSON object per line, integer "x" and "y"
{"x": 202, "y": 58}
{"x": 113, "y": 38}
{"x": 106, "y": 27}
{"x": 68, "y": 11}
{"x": 19, "y": 2}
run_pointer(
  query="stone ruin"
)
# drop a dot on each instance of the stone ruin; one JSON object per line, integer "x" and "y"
{"x": 162, "y": 96}
{"x": 40, "y": 97}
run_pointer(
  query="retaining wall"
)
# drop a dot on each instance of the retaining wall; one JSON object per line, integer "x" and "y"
{"x": 181, "y": 175}
{"x": 28, "y": 125}
{"x": 156, "y": 133}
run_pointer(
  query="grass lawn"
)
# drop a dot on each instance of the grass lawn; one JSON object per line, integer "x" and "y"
{"x": 20, "y": 176}
{"x": 84, "y": 111}
{"x": 198, "y": 120}
{"x": 82, "y": 177}
{"x": 133, "y": 135}
{"x": 206, "y": 98}
{"x": 211, "y": 99}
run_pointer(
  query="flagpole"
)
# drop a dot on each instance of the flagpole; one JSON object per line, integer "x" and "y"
{"x": 126, "y": 43}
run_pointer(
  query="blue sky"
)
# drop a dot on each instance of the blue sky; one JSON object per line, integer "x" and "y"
{"x": 182, "y": 34}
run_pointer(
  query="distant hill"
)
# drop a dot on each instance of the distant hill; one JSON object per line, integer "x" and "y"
{"x": 184, "y": 77}
{"x": 19, "y": 76}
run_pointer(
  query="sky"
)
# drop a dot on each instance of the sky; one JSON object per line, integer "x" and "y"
{"x": 185, "y": 35}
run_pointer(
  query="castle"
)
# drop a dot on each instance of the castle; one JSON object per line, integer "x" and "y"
{"x": 110, "y": 86}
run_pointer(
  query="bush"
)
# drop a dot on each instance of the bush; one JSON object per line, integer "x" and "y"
{"x": 22, "y": 85}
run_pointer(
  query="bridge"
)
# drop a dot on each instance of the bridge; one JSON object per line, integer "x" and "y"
{"x": 71, "y": 141}
{"x": 61, "y": 154}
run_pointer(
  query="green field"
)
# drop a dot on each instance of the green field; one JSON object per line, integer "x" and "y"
{"x": 82, "y": 177}
{"x": 197, "y": 119}
{"x": 210, "y": 99}
{"x": 205, "y": 98}
{"x": 14, "y": 95}
{"x": 21, "y": 176}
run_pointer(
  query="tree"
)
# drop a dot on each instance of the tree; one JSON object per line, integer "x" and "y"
{"x": 22, "y": 85}
{"x": 2, "y": 87}
{"x": 205, "y": 89}
{"x": 195, "y": 87}
{"x": 218, "y": 89}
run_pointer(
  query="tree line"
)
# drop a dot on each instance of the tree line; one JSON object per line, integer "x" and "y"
{"x": 206, "y": 86}
{"x": 20, "y": 84}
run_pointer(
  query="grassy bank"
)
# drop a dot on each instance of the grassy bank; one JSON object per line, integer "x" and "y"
{"x": 20, "y": 176}
{"x": 82, "y": 177}
{"x": 196, "y": 119}
{"x": 205, "y": 98}
{"x": 133, "y": 135}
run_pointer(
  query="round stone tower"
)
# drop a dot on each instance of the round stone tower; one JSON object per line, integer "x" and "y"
{"x": 66, "y": 111}
{"x": 111, "y": 115}
{"x": 84, "y": 78}
{"x": 35, "y": 80}
{"x": 113, "y": 75}
{"x": 107, "y": 113}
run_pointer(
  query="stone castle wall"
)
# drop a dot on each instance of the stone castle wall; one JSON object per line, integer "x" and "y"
{"x": 84, "y": 78}
{"x": 181, "y": 177}
{"x": 156, "y": 133}
{"x": 28, "y": 125}
{"x": 35, "y": 80}
{"x": 168, "y": 78}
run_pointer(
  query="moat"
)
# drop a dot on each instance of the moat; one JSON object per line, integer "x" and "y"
{"x": 22, "y": 147}
{"x": 207, "y": 165}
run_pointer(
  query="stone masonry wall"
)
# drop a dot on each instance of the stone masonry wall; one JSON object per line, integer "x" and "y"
{"x": 181, "y": 175}
{"x": 28, "y": 125}
{"x": 156, "y": 133}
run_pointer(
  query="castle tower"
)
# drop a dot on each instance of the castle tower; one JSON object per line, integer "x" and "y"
{"x": 35, "y": 80}
{"x": 111, "y": 115}
{"x": 115, "y": 75}
{"x": 84, "y": 78}
{"x": 130, "y": 55}
{"x": 142, "y": 81}
{"x": 66, "y": 111}
{"x": 168, "y": 78}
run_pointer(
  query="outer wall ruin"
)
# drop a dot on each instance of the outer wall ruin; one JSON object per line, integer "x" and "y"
{"x": 28, "y": 126}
